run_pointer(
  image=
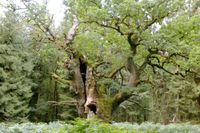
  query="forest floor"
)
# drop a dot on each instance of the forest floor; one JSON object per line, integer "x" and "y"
{"x": 96, "y": 126}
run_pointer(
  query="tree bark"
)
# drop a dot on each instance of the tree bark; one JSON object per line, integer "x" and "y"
{"x": 78, "y": 86}
{"x": 134, "y": 72}
{"x": 89, "y": 102}
{"x": 97, "y": 104}
{"x": 91, "y": 94}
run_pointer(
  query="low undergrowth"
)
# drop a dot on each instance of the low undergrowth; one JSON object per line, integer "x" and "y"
{"x": 96, "y": 126}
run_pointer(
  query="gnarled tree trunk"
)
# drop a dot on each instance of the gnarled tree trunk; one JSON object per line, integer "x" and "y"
{"x": 78, "y": 85}
{"x": 89, "y": 101}
{"x": 91, "y": 104}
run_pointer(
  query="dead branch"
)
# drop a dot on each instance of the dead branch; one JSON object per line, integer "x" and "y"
{"x": 72, "y": 32}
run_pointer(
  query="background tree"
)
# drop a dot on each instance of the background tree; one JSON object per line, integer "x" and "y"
{"x": 51, "y": 100}
{"x": 16, "y": 67}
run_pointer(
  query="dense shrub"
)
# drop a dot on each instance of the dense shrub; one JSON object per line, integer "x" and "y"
{"x": 97, "y": 126}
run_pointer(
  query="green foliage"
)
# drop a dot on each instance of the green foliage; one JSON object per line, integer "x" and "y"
{"x": 16, "y": 67}
{"x": 35, "y": 127}
{"x": 158, "y": 128}
{"x": 30, "y": 53}
{"x": 84, "y": 126}
{"x": 97, "y": 126}
{"x": 52, "y": 100}
{"x": 156, "y": 26}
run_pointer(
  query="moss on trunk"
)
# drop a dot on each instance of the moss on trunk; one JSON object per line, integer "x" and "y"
{"x": 105, "y": 108}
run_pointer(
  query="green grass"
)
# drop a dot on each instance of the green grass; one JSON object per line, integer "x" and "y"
{"x": 96, "y": 126}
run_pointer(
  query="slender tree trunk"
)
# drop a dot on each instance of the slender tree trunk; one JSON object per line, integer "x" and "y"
{"x": 55, "y": 98}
